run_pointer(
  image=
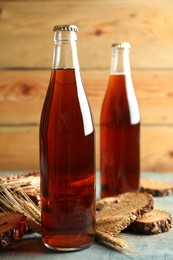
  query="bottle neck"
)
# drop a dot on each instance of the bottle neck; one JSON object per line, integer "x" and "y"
{"x": 65, "y": 50}
{"x": 120, "y": 63}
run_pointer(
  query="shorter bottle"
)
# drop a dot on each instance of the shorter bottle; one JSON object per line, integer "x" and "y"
{"x": 120, "y": 128}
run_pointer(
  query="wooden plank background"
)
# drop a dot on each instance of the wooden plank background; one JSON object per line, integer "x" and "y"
{"x": 26, "y": 43}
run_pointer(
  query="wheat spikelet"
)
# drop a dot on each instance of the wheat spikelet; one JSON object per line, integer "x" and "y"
{"x": 109, "y": 238}
{"x": 28, "y": 183}
{"x": 117, "y": 242}
{"x": 20, "y": 202}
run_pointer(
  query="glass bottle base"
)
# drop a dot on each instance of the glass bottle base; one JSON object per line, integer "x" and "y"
{"x": 67, "y": 249}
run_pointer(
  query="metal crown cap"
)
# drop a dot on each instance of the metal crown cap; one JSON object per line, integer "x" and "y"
{"x": 122, "y": 45}
{"x": 65, "y": 27}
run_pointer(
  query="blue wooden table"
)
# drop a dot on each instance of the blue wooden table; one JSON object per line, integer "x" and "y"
{"x": 153, "y": 247}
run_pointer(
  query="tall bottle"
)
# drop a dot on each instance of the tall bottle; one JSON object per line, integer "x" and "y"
{"x": 67, "y": 156}
{"x": 120, "y": 128}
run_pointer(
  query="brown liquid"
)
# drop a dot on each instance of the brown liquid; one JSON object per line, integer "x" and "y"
{"x": 67, "y": 166}
{"x": 120, "y": 155}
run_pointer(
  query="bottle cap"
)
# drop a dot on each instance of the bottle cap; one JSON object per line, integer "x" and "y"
{"x": 65, "y": 27}
{"x": 122, "y": 45}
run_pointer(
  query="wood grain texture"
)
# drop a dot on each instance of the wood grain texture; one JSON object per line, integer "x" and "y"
{"x": 27, "y": 38}
{"x": 22, "y": 151}
{"x": 22, "y": 94}
{"x": 19, "y": 147}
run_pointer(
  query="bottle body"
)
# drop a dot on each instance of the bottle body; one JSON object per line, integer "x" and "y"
{"x": 67, "y": 161}
{"x": 120, "y": 136}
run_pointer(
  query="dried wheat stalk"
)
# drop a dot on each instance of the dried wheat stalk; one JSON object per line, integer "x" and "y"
{"x": 117, "y": 242}
{"x": 20, "y": 202}
{"x": 28, "y": 183}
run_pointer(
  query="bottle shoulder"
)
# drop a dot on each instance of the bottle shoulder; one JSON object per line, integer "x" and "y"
{"x": 66, "y": 104}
